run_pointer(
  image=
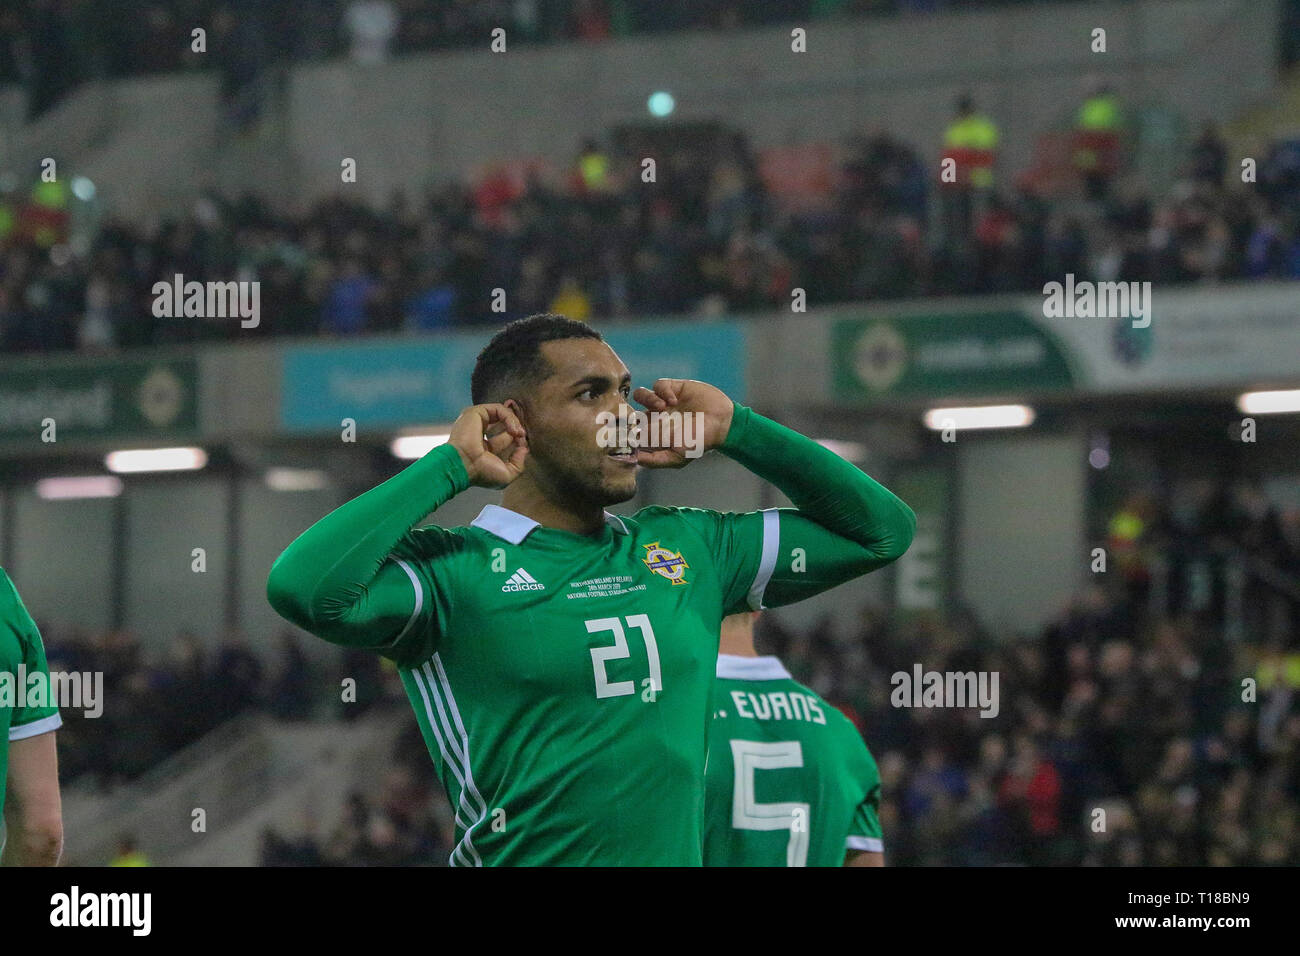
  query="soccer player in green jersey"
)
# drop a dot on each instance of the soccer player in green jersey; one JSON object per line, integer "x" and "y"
{"x": 559, "y": 658}
{"x": 790, "y": 782}
{"x": 29, "y": 771}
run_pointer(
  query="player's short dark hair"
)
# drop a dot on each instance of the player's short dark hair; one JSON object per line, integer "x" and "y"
{"x": 514, "y": 360}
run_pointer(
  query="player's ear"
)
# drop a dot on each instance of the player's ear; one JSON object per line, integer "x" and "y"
{"x": 517, "y": 407}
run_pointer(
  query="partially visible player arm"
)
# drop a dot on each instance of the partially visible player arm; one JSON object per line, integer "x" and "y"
{"x": 864, "y": 858}
{"x": 864, "y": 844}
{"x": 336, "y": 580}
{"x": 33, "y": 811}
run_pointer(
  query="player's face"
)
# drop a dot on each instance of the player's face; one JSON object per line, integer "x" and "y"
{"x": 565, "y": 457}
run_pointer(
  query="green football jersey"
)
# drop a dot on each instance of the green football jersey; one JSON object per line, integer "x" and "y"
{"x": 553, "y": 644}
{"x": 22, "y": 655}
{"x": 790, "y": 781}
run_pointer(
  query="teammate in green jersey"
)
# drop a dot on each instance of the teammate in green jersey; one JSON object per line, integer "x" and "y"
{"x": 559, "y": 658}
{"x": 29, "y": 771}
{"x": 790, "y": 782}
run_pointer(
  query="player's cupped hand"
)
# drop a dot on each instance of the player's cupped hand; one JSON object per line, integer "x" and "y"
{"x": 710, "y": 407}
{"x": 493, "y": 444}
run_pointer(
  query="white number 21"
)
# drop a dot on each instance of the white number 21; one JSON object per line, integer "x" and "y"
{"x": 618, "y": 650}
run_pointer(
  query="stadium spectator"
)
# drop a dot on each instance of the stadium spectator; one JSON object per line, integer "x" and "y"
{"x": 371, "y": 26}
{"x": 129, "y": 853}
{"x": 280, "y": 851}
{"x": 969, "y": 154}
{"x": 46, "y": 50}
{"x": 432, "y": 305}
{"x": 1209, "y": 156}
{"x": 570, "y": 300}
{"x": 591, "y": 175}
{"x": 1098, "y": 126}
{"x": 590, "y": 20}
{"x": 1290, "y": 33}
{"x": 238, "y": 44}
{"x": 290, "y": 696}
{"x": 351, "y": 293}
{"x": 238, "y": 674}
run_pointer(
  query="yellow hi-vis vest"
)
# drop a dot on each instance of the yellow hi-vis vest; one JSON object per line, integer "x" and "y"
{"x": 595, "y": 169}
{"x": 970, "y": 142}
{"x": 1096, "y": 134}
{"x": 1099, "y": 112}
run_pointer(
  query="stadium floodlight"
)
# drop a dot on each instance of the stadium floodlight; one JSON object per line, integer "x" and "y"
{"x": 296, "y": 479}
{"x": 848, "y": 450}
{"x": 417, "y": 446}
{"x": 86, "y": 486}
{"x": 661, "y": 103}
{"x": 979, "y": 416}
{"x": 1269, "y": 403}
{"x": 156, "y": 459}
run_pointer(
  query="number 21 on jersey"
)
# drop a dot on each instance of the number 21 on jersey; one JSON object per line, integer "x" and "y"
{"x": 651, "y": 685}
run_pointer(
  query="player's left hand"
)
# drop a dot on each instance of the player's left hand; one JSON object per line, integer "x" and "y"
{"x": 710, "y": 409}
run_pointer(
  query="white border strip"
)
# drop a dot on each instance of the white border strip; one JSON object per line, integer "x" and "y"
{"x": 870, "y": 844}
{"x": 419, "y": 599}
{"x": 467, "y": 854}
{"x": 766, "y": 564}
{"x": 36, "y": 727}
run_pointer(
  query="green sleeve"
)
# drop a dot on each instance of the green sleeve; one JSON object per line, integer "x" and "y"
{"x": 28, "y": 720}
{"x": 844, "y": 523}
{"x": 362, "y": 576}
{"x": 864, "y": 831}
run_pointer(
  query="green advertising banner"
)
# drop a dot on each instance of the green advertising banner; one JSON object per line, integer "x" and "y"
{"x": 103, "y": 398}
{"x": 960, "y": 353}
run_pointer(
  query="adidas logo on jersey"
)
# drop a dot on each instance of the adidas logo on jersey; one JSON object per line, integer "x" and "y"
{"x": 521, "y": 580}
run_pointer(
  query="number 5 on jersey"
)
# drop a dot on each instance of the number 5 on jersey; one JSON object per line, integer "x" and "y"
{"x": 652, "y": 685}
{"x": 748, "y": 814}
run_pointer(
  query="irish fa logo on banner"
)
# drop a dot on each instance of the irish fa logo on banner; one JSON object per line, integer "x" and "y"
{"x": 670, "y": 564}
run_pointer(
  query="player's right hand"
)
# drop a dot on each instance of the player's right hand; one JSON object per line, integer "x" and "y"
{"x": 492, "y": 444}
